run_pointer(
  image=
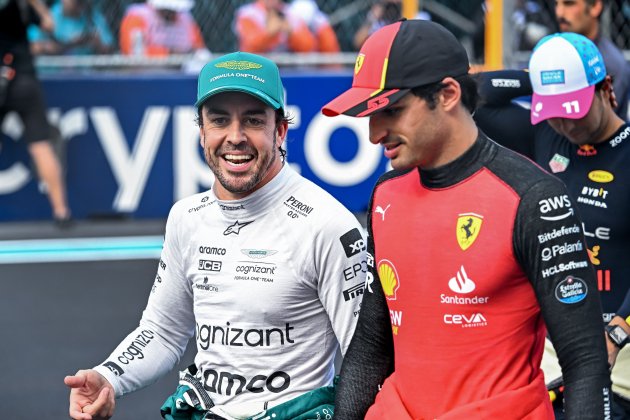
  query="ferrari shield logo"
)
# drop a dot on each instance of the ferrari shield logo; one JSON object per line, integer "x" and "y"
{"x": 359, "y": 63}
{"x": 468, "y": 227}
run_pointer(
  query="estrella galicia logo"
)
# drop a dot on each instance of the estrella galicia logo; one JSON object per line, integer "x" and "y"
{"x": 571, "y": 290}
{"x": 204, "y": 199}
{"x": 352, "y": 242}
{"x": 235, "y": 228}
{"x": 116, "y": 370}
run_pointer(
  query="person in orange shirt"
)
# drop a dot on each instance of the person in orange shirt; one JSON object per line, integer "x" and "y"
{"x": 159, "y": 28}
{"x": 318, "y": 23}
{"x": 271, "y": 26}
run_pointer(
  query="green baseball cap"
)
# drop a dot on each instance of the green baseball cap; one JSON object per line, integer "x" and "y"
{"x": 241, "y": 72}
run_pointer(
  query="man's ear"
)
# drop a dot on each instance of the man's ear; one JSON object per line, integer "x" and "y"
{"x": 596, "y": 9}
{"x": 450, "y": 94}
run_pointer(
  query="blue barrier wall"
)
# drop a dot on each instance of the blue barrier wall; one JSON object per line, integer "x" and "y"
{"x": 132, "y": 145}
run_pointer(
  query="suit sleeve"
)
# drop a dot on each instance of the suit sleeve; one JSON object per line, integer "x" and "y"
{"x": 167, "y": 324}
{"x": 498, "y": 116}
{"x": 550, "y": 245}
{"x": 370, "y": 357}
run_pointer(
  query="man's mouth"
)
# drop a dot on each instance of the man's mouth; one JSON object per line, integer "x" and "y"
{"x": 238, "y": 160}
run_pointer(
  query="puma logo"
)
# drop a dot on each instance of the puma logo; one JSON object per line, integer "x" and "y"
{"x": 381, "y": 211}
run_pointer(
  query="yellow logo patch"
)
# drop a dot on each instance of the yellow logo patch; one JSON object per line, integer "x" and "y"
{"x": 389, "y": 279}
{"x": 238, "y": 65}
{"x": 359, "y": 63}
{"x": 600, "y": 176}
{"x": 468, "y": 227}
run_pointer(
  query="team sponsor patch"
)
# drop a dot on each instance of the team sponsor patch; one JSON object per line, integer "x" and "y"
{"x": 552, "y": 77}
{"x": 558, "y": 163}
{"x": 571, "y": 290}
{"x": 559, "y": 206}
{"x": 352, "y": 242}
{"x": 235, "y": 228}
{"x": 258, "y": 253}
{"x": 389, "y": 279}
{"x": 353, "y": 292}
{"x": 468, "y": 227}
{"x": 600, "y": 176}
{"x": 114, "y": 368}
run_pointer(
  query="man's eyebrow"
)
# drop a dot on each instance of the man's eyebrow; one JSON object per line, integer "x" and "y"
{"x": 249, "y": 112}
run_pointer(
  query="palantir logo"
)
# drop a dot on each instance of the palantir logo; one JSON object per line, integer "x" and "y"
{"x": 461, "y": 283}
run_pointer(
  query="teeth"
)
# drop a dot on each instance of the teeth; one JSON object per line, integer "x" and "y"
{"x": 238, "y": 157}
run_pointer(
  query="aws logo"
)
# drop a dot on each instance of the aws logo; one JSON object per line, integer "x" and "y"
{"x": 468, "y": 227}
{"x": 389, "y": 279}
{"x": 558, "y": 202}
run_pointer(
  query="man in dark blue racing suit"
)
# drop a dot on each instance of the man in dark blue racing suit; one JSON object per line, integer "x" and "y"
{"x": 573, "y": 132}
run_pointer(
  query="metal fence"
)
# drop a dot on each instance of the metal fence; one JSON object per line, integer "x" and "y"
{"x": 465, "y": 18}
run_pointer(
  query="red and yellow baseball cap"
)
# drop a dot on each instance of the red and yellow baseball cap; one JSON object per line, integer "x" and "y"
{"x": 396, "y": 58}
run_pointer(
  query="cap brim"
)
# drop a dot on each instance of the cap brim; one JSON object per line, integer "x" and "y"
{"x": 573, "y": 105}
{"x": 253, "y": 92}
{"x": 361, "y": 102}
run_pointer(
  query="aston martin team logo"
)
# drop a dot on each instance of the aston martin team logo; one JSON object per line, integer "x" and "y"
{"x": 468, "y": 227}
{"x": 238, "y": 65}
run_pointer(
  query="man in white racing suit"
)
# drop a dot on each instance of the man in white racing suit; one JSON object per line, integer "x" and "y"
{"x": 266, "y": 269}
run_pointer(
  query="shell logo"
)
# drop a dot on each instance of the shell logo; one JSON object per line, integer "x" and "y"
{"x": 389, "y": 278}
{"x": 600, "y": 176}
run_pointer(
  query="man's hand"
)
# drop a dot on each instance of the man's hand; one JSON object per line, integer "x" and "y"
{"x": 613, "y": 350}
{"x": 91, "y": 396}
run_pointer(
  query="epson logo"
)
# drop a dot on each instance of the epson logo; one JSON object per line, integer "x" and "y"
{"x": 352, "y": 242}
{"x": 210, "y": 250}
{"x": 225, "y": 382}
{"x": 209, "y": 265}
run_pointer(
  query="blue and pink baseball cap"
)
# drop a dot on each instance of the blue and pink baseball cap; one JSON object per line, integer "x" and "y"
{"x": 564, "y": 69}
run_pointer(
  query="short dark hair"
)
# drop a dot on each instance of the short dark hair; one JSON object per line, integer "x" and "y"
{"x": 470, "y": 95}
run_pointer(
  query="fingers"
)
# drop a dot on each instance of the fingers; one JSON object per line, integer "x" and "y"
{"x": 103, "y": 407}
{"x": 75, "y": 381}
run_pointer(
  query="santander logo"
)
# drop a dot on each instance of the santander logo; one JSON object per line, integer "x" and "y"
{"x": 461, "y": 283}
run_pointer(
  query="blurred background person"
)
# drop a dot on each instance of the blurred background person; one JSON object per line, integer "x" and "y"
{"x": 158, "y": 28}
{"x": 271, "y": 26}
{"x": 318, "y": 23}
{"x": 21, "y": 91}
{"x": 382, "y": 13}
{"x": 80, "y": 28}
{"x": 584, "y": 17}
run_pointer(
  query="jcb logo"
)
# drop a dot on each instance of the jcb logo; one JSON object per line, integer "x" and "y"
{"x": 209, "y": 265}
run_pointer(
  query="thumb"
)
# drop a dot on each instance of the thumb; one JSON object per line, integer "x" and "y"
{"x": 75, "y": 381}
